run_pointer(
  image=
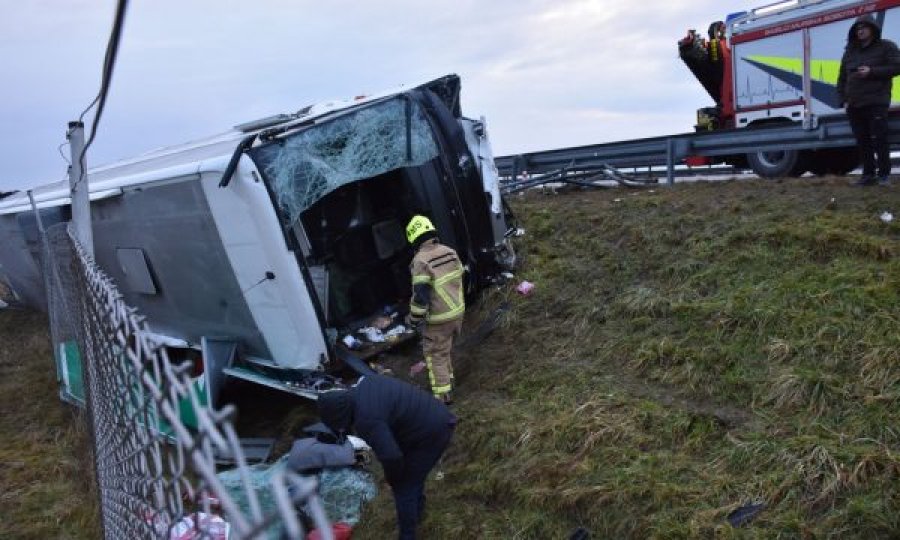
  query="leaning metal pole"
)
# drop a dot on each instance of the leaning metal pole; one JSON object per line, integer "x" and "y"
{"x": 78, "y": 184}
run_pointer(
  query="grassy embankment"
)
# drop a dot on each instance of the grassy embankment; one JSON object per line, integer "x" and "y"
{"x": 45, "y": 477}
{"x": 685, "y": 352}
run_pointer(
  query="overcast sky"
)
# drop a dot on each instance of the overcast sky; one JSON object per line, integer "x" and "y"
{"x": 545, "y": 73}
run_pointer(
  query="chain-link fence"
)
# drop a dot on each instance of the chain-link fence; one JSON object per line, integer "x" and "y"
{"x": 156, "y": 476}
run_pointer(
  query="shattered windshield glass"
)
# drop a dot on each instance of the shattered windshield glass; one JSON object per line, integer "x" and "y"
{"x": 306, "y": 166}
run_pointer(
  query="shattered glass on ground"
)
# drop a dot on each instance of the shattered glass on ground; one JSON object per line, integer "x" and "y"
{"x": 307, "y": 166}
{"x": 343, "y": 491}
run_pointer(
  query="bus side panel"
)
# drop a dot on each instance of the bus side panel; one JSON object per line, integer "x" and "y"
{"x": 160, "y": 245}
{"x": 18, "y": 268}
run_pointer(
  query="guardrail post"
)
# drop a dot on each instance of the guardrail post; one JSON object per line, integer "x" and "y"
{"x": 670, "y": 161}
{"x": 515, "y": 169}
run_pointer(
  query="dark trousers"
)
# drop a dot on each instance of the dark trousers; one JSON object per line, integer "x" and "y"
{"x": 409, "y": 489}
{"x": 870, "y": 127}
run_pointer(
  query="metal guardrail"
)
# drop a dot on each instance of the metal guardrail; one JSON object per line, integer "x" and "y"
{"x": 671, "y": 150}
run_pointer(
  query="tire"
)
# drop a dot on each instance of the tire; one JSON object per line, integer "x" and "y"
{"x": 778, "y": 164}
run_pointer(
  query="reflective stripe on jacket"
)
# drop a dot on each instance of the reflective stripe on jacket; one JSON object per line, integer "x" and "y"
{"x": 438, "y": 267}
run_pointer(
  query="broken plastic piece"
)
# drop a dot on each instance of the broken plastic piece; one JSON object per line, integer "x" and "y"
{"x": 374, "y": 335}
{"x": 525, "y": 288}
{"x": 381, "y": 322}
{"x": 200, "y": 525}
{"x": 340, "y": 531}
{"x": 351, "y": 342}
{"x": 395, "y": 331}
{"x": 416, "y": 368}
{"x": 745, "y": 514}
{"x": 887, "y": 217}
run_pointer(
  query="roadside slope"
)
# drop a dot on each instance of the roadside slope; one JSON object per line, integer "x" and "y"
{"x": 45, "y": 475}
{"x": 685, "y": 352}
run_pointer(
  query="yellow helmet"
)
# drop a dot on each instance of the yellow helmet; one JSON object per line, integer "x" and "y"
{"x": 418, "y": 226}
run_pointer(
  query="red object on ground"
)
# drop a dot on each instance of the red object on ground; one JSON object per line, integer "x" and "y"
{"x": 697, "y": 161}
{"x": 341, "y": 531}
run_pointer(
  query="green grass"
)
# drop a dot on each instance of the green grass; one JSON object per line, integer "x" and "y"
{"x": 685, "y": 352}
{"x": 46, "y": 475}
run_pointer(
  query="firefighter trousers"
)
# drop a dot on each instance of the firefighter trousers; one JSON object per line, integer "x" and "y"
{"x": 437, "y": 346}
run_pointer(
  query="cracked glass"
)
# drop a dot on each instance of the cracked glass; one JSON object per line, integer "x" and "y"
{"x": 304, "y": 167}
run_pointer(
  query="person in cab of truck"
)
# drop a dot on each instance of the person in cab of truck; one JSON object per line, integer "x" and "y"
{"x": 864, "y": 86}
{"x": 407, "y": 429}
{"x": 437, "y": 300}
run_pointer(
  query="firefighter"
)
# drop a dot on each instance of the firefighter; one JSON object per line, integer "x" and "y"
{"x": 437, "y": 300}
{"x": 867, "y": 69}
{"x": 407, "y": 430}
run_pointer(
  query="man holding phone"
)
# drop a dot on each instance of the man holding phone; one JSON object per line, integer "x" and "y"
{"x": 864, "y": 86}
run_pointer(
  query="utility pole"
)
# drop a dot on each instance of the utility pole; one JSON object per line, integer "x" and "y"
{"x": 78, "y": 184}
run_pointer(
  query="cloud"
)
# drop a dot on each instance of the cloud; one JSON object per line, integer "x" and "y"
{"x": 545, "y": 73}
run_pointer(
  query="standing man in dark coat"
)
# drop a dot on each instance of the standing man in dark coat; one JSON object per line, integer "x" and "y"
{"x": 407, "y": 429}
{"x": 864, "y": 85}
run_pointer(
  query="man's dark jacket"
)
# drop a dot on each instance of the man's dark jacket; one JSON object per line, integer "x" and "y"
{"x": 881, "y": 55}
{"x": 392, "y": 416}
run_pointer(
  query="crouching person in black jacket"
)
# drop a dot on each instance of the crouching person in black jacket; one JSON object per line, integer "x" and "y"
{"x": 407, "y": 429}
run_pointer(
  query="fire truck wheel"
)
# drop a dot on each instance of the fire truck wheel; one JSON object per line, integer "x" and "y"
{"x": 777, "y": 164}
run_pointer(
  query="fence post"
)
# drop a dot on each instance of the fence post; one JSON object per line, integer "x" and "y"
{"x": 78, "y": 183}
{"x": 670, "y": 161}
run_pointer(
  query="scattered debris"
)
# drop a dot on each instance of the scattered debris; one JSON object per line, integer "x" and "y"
{"x": 381, "y": 369}
{"x": 416, "y": 368}
{"x": 745, "y": 514}
{"x": 373, "y": 335}
{"x": 351, "y": 342}
{"x": 525, "y": 288}
{"x": 580, "y": 534}
{"x": 340, "y": 531}
{"x": 256, "y": 450}
{"x": 200, "y": 525}
{"x": 310, "y": 454}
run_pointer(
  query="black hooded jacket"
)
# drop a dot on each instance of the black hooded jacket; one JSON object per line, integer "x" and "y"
{"x": 882, "y": 57}
{"x": 390, "y": 415}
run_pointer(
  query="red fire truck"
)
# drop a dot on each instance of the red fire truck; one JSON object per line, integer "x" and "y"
{"x": 779, "y": 64}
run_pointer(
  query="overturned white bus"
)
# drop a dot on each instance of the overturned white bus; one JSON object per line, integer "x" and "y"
{"x": 276, "y": 237}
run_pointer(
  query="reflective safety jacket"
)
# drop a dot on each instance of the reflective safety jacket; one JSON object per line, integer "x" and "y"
{"x": 437, "y": 284}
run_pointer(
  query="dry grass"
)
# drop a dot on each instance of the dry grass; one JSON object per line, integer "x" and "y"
{"x": 46, "y": 483}
{"x": 685, "y": 352}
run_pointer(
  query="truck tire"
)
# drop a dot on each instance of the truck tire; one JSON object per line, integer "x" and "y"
{"x": 777, "y": 164}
